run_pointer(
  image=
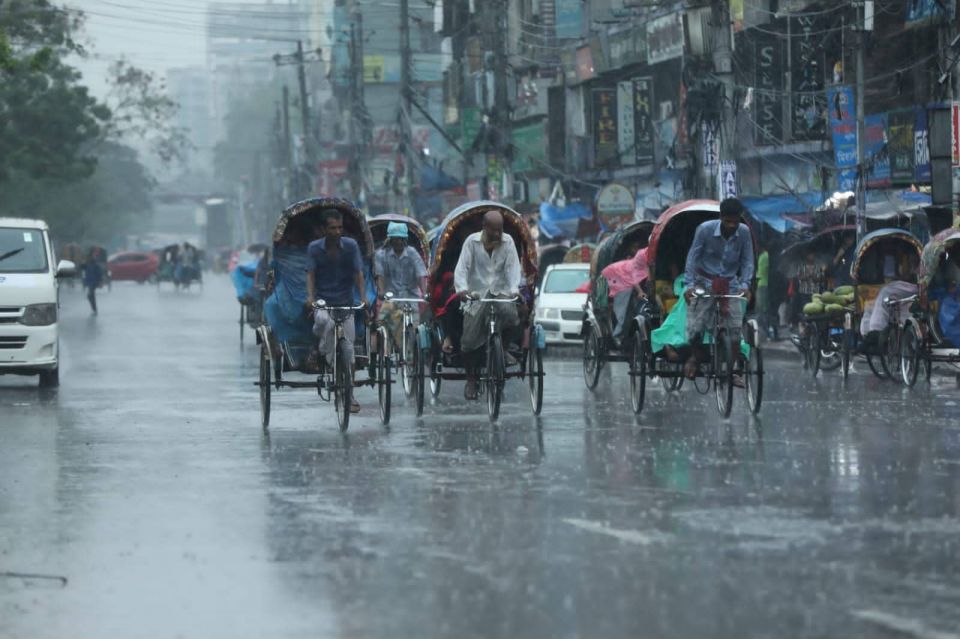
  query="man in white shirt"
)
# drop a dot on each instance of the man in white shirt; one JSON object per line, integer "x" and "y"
{"x": 489, "y": 266}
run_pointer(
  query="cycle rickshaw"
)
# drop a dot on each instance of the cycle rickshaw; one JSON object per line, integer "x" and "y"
{"x": 669, "y": 242}
{"x": 923, "y": 341}
{"x": 409, "y": 361}
{"x": 249, "y": 283}
{"x": 881, "y": 255}
{"x": 286, "y": 339}
{"x": 460, "y": 223}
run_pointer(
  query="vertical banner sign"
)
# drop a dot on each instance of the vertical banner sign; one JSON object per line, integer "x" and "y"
{"x": 955, "y": 133}
{"x": 843, "y": 128}
{"x": 643, "y": 119}
{"x": 876, "y": 156}
{"x": 727, "y": 179}
{"x": 604, "y": 125}
{"x": 769, "y": 70}
{"x": 569, "y": 18}
{"x": 921, "y": 146}
{"x": 900, "y": 132}
{"x": 626, "y": 134}
{"x": 807, "y": 79}
{"x": 710, "y": 138}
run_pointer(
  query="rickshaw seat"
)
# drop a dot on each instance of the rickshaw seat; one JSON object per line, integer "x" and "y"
{"x": 866, "y": 294}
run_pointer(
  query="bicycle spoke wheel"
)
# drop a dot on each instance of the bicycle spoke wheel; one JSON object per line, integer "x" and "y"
{"x": 408, "y": 372}
{"x": 753, "y": 379}
{"x": 343, "y": 385}
{"x": 638, "y": 374}
{"x": 813, "y": 349}
{"x": 535, "y": 377}
{"x": 265, "y": 385}
{"x": 846, "y": 347}
{"x": 384, "y": 381}
{"x": 875, "y": 366}
{"x": 723, "y": 373}
{"x": 890, "y": 360}
{"x": 591, "y": 358}
{"x": 910, "y": 347}
{"x": 494, "y": 377}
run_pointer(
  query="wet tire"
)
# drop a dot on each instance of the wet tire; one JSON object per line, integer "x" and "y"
{"x": 384, "y": 378}
{"x": 420, "y": 365}
{"x": 494, "y": 377}
{"x": 910, "y": 354}
{"x": 723, "y": 374}
{"x": 265, "y": 386}
{"x": 638, "y": 374}
{"x": 408, "y": 372}
{"x": 535, "y": 378}
{"x": 674, "y": 379}
{"x": 753, "y": 379}
{"x": 875, "y": 366}
{"x": 890, "y": 361}
{"x": 846, "y": 349}
{"x": 343, "y": 386}
{"x": 50, "y": 378}
{"x": 591, "y": 358}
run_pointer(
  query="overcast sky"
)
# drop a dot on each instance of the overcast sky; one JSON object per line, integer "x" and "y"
{"x": 151, "y": 34}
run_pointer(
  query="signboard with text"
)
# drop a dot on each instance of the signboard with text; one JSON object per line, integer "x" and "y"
{"x": 769, "y": 81}
{"x": 665, "y": 38}
{"x": 605, "y": 125}
{"x": 643, "y": 120}
{"x": 615, "y": 205}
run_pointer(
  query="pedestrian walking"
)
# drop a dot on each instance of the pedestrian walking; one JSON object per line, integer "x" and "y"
{"x": 92, "y": 278}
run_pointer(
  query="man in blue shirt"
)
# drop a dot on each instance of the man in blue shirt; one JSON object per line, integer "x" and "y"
{"x": 334, "y": 268}
{"x": 721, "y": 262}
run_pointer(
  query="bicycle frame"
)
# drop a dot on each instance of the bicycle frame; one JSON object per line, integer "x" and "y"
{"x": 339, "y": 315}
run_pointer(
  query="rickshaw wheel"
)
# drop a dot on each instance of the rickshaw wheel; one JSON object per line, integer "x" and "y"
{"x": 875, "y": 367}
{"x": 420, "y": 363}
{"x": 723, "y": 373}
{"x": 436, "y": 357}
{"x": 890, "y": 360}
{"x": 265, "y": 389}
{"x": 591, "y": 358}
{"x": 408, "y": 372}
{"x": 638, "y": 373}
{"x": 343, "y": 386}
{"x": 384, "y": 381}
{"x": 909, "y": 355}
{"x": 753, "y": 378}
{"x": 241, "y": 324}
{"x": 812, "y": 353}
{"x": 845, "y": 350}
{"x": 494, "y": 376}
{"x": 535, "y": 377}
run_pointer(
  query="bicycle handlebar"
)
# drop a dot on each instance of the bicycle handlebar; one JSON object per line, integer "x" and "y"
{"x": 705, "y": 295}
{"x": 890, "y": 301}
{"x": 405, "y": 300}
{"x": 497, "y": 300}
{"x": 321, "y": 305}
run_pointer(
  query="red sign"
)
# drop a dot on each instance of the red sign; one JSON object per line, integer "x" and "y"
{"x": 955, "y": 133}
{"x": 329, "y": 176}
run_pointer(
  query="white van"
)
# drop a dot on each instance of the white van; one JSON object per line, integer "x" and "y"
{"x": 29, "y": 287}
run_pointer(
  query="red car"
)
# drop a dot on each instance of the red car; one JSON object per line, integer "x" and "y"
{"x": 133, "y": 266}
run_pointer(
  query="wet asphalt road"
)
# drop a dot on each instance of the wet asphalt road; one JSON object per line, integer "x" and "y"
{"x": 146, "y": 483}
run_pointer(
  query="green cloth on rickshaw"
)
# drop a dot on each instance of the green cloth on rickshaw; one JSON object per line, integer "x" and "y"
{"x": 673, "y": 330}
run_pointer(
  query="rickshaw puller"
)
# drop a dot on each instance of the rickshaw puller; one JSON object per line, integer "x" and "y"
{"x": 400, "y": 270}
{"x": 720, "y": 261}
{"x": 488, "y": 267}
{"x": 335, "y": 268}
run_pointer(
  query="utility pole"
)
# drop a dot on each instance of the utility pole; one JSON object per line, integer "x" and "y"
{"x": 723, "y": 68}
{"x": 287, "y": 155}
{"x": 496, "y": 114}
{"x": 861, "y": 159}
{"x": 405, "y": 119}
{"x": 300, "y": 59}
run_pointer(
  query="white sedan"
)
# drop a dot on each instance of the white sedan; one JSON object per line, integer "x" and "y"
{"x": 559, "y": 306}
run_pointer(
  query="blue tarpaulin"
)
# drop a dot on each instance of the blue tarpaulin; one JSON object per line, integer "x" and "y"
{"x": 242, "y": 278}
{"x": 770, "y": 209}
{"x": 559, "y": 222}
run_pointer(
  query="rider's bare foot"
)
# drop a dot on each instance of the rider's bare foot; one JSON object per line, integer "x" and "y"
{"x": 447, "y": 345}
{"x": 690, "y": 368}
{"x": 671, "y": 353}
{"x": 470, "y": 390}
{"x": 738, "y": 381}
{"x": 355, "y": 407}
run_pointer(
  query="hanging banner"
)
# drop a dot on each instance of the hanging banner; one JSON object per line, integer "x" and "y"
{"x": 615, "y": 205}
{"x": 727, "y": 179}
{"x": 569, "y": 18}
{"x": 807, "y": 79}
{"x": 710, "y": 139}
{"x": 626, "y": 135}
{"x": 644, "y": 142}
{"x": 769, "y": 91}
{"x": 876, "y": 157}
{"x": 921, "y": 146}
{"x": 665, "y": 38}
{"x": 900, "y": 146}
{"x": 843, "y": 128}
{"x": 604, "y": 125}
{"x": 921, "y": 12}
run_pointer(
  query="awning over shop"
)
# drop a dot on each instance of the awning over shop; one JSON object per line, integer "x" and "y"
{"x": 770, "y": 209}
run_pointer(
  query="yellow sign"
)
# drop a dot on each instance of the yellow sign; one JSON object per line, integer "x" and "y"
{"x": 374, "y": 69}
